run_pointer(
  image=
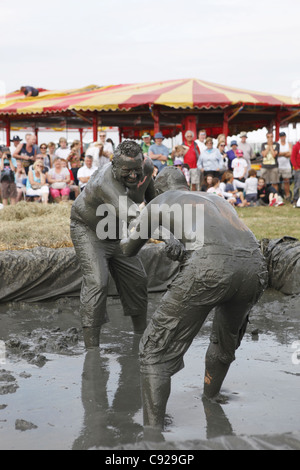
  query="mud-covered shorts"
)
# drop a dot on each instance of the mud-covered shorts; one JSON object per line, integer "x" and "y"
{"x": 230, "y": 281}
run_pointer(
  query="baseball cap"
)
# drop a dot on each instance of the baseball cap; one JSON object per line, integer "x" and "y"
{"x": 243, "y": 134}
{"x": 282, "y": 134}
{"x": 239, "y": 153}
{"x": 145, "y": 135}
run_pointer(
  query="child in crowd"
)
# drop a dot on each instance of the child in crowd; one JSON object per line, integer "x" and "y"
{"x": 184, "y": 168}
{"x": 229, "y": 188}
{"x": 267, "y": 195}
{"x": 239, "y": 166}
{"x": 251, "y": 187}
{"x": 215, "y": 188}
{"x": 207, "y": 183}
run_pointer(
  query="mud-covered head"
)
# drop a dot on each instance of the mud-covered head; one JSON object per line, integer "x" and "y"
{"x": 127, "y": 163}
{"x": 170, "y": 178}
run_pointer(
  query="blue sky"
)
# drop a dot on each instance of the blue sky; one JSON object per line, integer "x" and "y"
{"x": 68, "y": 44}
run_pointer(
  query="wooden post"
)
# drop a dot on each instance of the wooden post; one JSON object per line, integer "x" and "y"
{"x": 95, "y": 128}
{"x": 120, "y": 134}
{"x": 7, "y": 128}
{"x": 36, "y": 131}
{"x": 189, "y": 123}
{"x": 225, "y": 124}
{"x": 81, "y": 141}
{"x": 155, "y": 114}
{"x": 277, "y": 126}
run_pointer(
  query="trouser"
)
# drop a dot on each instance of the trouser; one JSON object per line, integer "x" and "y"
{"x": 97, "y": 258}
{"x": 231, "y": 284}
{"x": 296, "y": 185}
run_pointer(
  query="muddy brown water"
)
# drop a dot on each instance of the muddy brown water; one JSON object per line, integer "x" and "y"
{"x": 55, "y": 395}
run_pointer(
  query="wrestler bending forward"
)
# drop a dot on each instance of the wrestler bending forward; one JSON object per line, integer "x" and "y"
{"x": 221, "y": 267}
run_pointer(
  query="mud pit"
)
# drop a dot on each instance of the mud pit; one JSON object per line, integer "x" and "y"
{"x": 54, "y": 395}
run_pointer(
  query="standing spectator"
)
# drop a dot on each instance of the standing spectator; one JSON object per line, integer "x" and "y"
{"x": 246, "y": 149}
{"x": 45, "y": 155}
{"x": 251, "y": 187}
{"x": 99, "y": 149}
{"x": 239, "y": 166}
{"x": 158, "y": 152}
{"x": 191, "y": 159}
{"x": 201, "y": 140}
{"x": 15, "y": 140}
{"x": 86, "y": 171}
{"x": 36, "y": 184}
{"x": 26, "y": 152}
{"x": 51, "y": 152}
{"x": 59, "y": 178}
{"x": 74, "y": 160}
{"x": 146, "y": 144}
{"x": 295, "y": 161}
{"x": 29, "y": 91}
{"x": 7, "y": 173}
{"x": 269, "y": 168}
{"x": 63, "y": 150}
{"x": 20, "y": 180}
{"x": 231, "y": 154}
{"x": 210, "y": 160}
{"x": 221, "y": 147}
{"x": 284, "y": 164}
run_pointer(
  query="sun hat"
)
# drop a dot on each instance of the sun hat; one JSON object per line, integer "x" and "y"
{"x": 158, "y": 135}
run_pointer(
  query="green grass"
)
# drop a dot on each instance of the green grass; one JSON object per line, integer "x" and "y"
{"x": 27, "y": 225}
{"x": 271, "y": 222}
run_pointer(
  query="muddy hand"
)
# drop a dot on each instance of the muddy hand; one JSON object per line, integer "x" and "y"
{"x": 175, "y": 250}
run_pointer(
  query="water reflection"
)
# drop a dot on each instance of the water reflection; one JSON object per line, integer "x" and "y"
{"x": 109, "y": 425}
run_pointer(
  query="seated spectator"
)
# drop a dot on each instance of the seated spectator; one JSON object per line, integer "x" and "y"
{"x": 46, "y": 157}
{"x": 207, "y": 182}
{"x": 59, "y": 178}
{"x": 210, "y": 160}
{"x": 240, "y": 201}
{"x": 215, "y": 188}
{"x": 7, "y": 177}
{"x": 145, "y": 145}
{"x": 20, "y": 180}
{"x": 40, "y": 158}
{"x": 227, "y": 195}
{"x": 239, "y": 166}
{"x": 29, "y": 91}
{"x": 74, "y": 188}
{"x": 251, "y": 187}
{"x": 184, "y": 168}
{"x": 267, "y": 195}
{"x": 158, "y": 152}
{"x": 36, "y": 184}
{"x": 86, "y": 171}
{"x": 63, "y": 150}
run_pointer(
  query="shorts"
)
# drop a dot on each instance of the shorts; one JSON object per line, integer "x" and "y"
{"x": 251, "y": 197}
{"x": 285, "y": 173}
{"x": 8, "y": 190}
{"x": 270, "y": 175}
{"x": 195, "y": 176}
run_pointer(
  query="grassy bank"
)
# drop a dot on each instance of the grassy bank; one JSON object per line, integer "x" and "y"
{"x": 28, "y": 225}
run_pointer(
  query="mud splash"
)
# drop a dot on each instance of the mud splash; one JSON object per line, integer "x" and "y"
{"x": 54, "y": 395}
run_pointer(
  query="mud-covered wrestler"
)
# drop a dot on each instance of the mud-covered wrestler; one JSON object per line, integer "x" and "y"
{"x": 221, "y": 267}
{"x": 115, "y": 190}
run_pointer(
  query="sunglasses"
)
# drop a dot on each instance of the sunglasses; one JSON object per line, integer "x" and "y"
{"x": 43, "y": 148}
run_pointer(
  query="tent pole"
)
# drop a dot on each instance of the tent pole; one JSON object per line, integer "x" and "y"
{"x": 7, "y": 128}
{"x": 95, "y": 128}
{"x": 81, "y": 141}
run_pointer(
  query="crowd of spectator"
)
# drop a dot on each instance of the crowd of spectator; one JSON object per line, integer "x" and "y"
{"x": 50, "y": 173}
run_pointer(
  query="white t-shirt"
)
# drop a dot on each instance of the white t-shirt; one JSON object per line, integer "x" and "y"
{"x": 238, "y": 166}
{"x": 97, "y": 160}
{"x": 201, "y": 145}
{"x": 251, "y": 185}
{"x": 62, "y": 153}
{"x": 83, "y": 172}
{"x": 284, "y": 162}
